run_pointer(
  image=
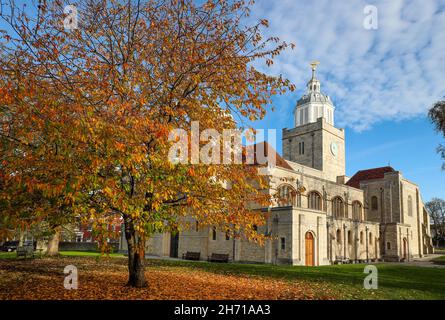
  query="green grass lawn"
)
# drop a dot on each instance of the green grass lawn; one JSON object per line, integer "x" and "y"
{"x": 7, "y": 255}
{"x": 439, "y": 260}
{"x": 13, "y": 255}
{"x": 395, "y": 281}
{"x": 90, "y": 254}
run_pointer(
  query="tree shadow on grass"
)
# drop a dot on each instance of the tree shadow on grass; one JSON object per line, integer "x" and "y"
{"x": 401, "y": 278}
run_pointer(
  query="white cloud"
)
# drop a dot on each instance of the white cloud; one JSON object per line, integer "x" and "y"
{"x": 392, "y": 73}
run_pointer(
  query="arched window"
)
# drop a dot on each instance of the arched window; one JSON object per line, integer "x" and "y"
{"x": 314, "y": 200}
{"x": 370, "y": 238}
{"x": 214, "y": 233}
{"x": 286, "y": 195}
{"x": 338, "y": 235}
{"x": 410, "y": 206}
{"x": 357, "y": 211}
{"x": 374, "y": 203}
{"x": 338, "y": 209}
{"x": 361, "y": 237}
{"x": 349, "y": 237}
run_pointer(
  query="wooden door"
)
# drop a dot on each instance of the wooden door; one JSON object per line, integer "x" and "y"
{"x": 309, "y": 240}
{"x": 174, "y": 245}
{"x": 405, "y": 254}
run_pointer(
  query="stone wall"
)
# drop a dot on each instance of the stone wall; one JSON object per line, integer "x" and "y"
{"x": 400, "y": 212}
{"x": 353, "y": 240}
{"x": 327, "y": 189}
{"x": 388, "y": 193}
{"x": 317, "y": 138}
{"x": 84, "y": 246}
{"x": 314, "y": 222}
{"x": 309, "y": 134}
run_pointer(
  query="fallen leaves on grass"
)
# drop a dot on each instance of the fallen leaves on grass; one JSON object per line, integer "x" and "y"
{"x": 42, "y": 279}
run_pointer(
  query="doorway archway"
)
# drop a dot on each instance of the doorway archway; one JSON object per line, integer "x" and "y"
{"x": 174, "y": 244}
{"x": 310, "y": 249}
{"x": 405, "y": 249}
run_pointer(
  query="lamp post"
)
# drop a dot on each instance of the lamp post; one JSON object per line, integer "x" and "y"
{"x": 275, "y": 242}
{"x": 328, "y": 225}
{"x": 344, "y": 241}
{"x": 367, "y": 242}
{"x": 234, "y": 246}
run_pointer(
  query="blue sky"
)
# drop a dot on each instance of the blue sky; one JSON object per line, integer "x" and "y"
{"x": 381, "y": 81}
{"x": 407, "y": 145}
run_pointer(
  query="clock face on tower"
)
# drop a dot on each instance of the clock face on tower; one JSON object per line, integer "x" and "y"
{"x": 334, "y": 149}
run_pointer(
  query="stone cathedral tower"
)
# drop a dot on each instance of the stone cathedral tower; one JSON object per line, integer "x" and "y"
{"x": 315, "y": 142}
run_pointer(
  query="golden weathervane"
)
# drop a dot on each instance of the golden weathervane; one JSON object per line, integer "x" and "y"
{"x": 314, "y": 65}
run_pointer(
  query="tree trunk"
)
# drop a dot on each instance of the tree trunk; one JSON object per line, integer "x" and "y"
{"x": 53, "y": 244}
{"x": 136, "y": 255}
{"x": 21, "y": 238}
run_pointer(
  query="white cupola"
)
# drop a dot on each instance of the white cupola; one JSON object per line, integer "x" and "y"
{"x": 313, "y": 104}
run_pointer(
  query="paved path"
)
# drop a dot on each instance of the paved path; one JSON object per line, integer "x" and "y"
{"x": 428, "y": 257}
{"x": 425, "y": 261}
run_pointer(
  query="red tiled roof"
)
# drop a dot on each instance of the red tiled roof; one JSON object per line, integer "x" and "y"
{"x": 369, "y": 174}
{"x": 280, "y": 162}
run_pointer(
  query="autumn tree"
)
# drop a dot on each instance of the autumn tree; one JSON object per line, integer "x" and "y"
{"x": 88, "y": 109}
{"x": 436, "y": 208}
{"x": 437, "y": 117}
{"x": 37, "y": 168}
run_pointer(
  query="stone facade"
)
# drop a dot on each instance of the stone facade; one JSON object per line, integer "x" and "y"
{"x": 327, "y": 217}
{"x": 310, "y": 145}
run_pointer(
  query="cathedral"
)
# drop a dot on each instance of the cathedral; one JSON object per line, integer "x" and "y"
{"x": 326, "y": 217}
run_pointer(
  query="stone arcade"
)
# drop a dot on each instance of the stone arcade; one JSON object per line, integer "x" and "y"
{"x": 377, "y": 214}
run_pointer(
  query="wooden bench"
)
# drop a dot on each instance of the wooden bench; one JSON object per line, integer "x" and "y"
{"x": 341, "y": 260}
{"x": 25, "y": 251}
{"x": 219, "y": 257}
{"x": 189, "y": 255}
